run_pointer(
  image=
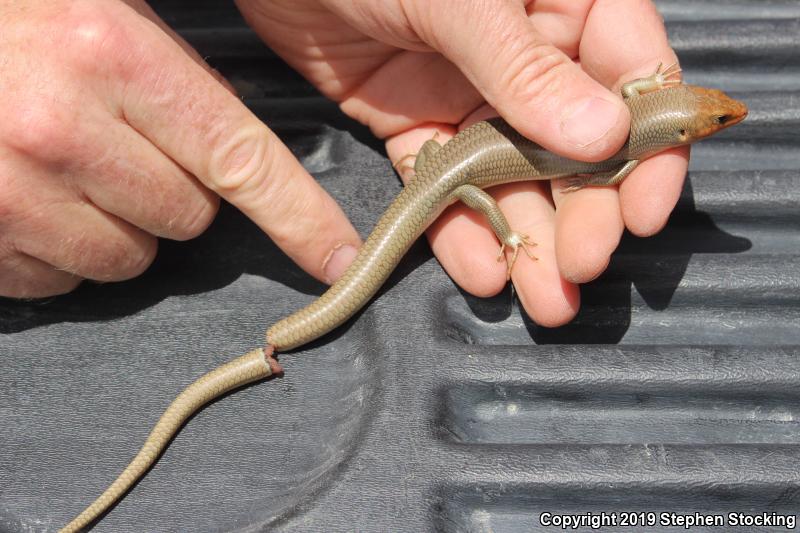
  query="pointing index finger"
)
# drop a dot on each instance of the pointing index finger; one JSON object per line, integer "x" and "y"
{"x": 188, "y": 115}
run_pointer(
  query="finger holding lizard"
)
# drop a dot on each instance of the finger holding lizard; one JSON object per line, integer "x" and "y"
{"x": 380, "y": 62}
{"x": 590, "y": 221}
{"x": 466, "y": 246}
{"x": 463, "y": 242}
{"x": 584, "y": 243}
{"x": 648, "y": 197}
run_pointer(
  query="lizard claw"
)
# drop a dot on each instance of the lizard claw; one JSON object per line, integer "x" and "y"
{"x": 664, "y": 78}
{"x": 515, "y": 241}
{"x": 671, "y": 70}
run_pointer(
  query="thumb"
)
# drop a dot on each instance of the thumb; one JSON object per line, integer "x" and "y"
{"x": 540, "y": 91}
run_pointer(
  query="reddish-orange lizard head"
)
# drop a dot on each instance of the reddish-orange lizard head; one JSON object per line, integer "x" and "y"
{"x": 715, "y": 111}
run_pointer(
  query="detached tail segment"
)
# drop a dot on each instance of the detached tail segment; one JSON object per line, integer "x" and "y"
{"x": 253, "y": 366}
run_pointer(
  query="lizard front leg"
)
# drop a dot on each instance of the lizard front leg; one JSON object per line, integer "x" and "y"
{"x": 656, "y": 81}
{"x": 601, "y": 179}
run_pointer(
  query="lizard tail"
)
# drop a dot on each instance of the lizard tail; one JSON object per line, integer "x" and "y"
{"x": 253, "y": 366}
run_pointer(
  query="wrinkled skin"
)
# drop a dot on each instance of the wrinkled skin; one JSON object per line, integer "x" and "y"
{"x": 121, "y": 133}
{"x": 115, "y": 132}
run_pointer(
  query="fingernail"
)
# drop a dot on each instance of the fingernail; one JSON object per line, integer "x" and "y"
{"x": 589, "y": 120}
{"x": 337, "y": 261}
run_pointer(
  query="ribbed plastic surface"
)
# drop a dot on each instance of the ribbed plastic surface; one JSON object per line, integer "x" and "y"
{"x": 676, "y": 389}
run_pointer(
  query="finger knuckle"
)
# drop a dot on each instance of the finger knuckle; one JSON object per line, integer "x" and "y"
{"x": 533, "y": 73}
{"x": 115, "y": 260}
{"x": 44, "y": 131}
{"x": 19, "y": 280}
{"x": 26, "y": 287}
{"x": 97, "y": 38}
{"x": 23, "y": 287}
{"x": 195, "y": 219}
{"x": 242, "y": 162}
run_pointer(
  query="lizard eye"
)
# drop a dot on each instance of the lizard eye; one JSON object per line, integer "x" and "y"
{"x": 722, "y": 119}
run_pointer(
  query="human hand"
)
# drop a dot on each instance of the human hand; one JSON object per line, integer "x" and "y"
{"x": 114, "y": 131}
{"x": 410, "y": 68}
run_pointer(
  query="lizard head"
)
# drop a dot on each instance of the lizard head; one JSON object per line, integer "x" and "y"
{"x": 715, "y": 111}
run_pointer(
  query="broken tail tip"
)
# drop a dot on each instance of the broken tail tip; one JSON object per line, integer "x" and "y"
{"x": 274, "y": 366}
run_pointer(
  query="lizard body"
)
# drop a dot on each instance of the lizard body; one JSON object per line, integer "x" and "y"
{"x": 664, "y": 114}
{"x": 492, "y": 153}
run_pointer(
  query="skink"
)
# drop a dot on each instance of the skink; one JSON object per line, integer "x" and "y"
{"x": 664, "y": 113}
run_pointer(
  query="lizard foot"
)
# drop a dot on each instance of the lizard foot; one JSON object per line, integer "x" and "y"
{"x": 660, "y": 79}
{"x": 515, "y": 241}
{"x": 665, "y": 78}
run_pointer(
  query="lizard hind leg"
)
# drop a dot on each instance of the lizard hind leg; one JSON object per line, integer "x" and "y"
{"x": 479, "y": 200}
{"x": 429, "y": 147}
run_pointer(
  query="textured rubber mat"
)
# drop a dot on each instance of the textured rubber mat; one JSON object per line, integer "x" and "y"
{"x": 676, "y": 389}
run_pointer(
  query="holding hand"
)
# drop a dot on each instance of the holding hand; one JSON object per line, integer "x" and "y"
{"x": 552, "y": 69}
